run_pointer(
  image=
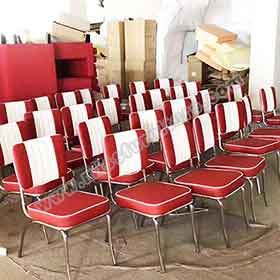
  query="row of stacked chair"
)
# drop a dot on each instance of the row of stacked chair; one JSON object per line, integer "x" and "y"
{"x": 42, "y": 164}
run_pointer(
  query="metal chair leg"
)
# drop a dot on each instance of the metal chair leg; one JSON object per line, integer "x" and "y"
{"x": 22, "y": 238}
{"x": 110, "y": 239}
{"x": 243, "y": 200}
{"x": 45, "y": 234}
{"x": 196, "y": 242}
{"x": 263, "y": 188}
{"x": 66, "y": 252}
{"x": 162, "y": 265}
{"x": 252, "y": 201}
{"x": 101, "y": 189}
{"x": 222, "y": 211}
{"x": 278, "y": 162}
{"x": 258, "y": 186}
{"x": 135, "y": 220}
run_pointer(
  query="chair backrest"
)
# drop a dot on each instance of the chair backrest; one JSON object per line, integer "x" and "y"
{"x": 205, "y": 132}
{"x": 192, "y": 88}
{"x": 126, "y": 153}
{"x": 177, "y": 111}
{"x": 178, "y": 145}
{"x": 205, "y": 97}
{"x": 178, "y": 92}
{"x": 139, "y": 102}
{"x": 268, "y": 99}
{"x": 196, "y": 107}
{"x": 87, "y": 96}
{"x": 39, "y": 161}
{"x": 111, "y": 108}
{"x": 45, "y": 123}
{"x": 235, "y": 92}
{"x": 112, "y": 91}
{"x": 230, "y": 117}
{"x": 157, "y": 98}
{"x": 166, "y": 84}
{"x": 138, "y": 87}
{"x": 14, "y": 111}
{"x": 152, "y": 121}
{"x": 10, "y": 135}
{"x": 65, "y": 99}
{"x": 91, "y": 136}
{"x": 248, "y": 116}
{"x": 73, "y": 115}
{"x": 45, "y": 103}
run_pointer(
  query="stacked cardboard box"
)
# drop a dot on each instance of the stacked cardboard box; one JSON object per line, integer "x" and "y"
{"x": 140, "y": 50}
{"x": 115, "y": 64}
{"x": 194, "y": 69}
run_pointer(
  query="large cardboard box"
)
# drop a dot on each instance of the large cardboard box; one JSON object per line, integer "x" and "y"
{"x": 115, "y": 72}
{"x": 206, "y": 59}
{"x": 115, "y": 37}
{"x": 140, "y": 39}
{"x": 194, "y": 69}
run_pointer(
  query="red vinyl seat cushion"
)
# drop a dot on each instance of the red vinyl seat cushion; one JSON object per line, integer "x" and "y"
{"x": 250, "y": 166}
{"x": 274, "y": 120}
{"x": 271, "y": 133}
{"x": 154, "y": 198}
{"x": 67, "y": 210}
{"x": 257, "y": 116}
{"x": 158, "y": 160}
{"x": 212, "y": 183}
{"x": 77, "y": 148}
{"x": 74, "y": 159}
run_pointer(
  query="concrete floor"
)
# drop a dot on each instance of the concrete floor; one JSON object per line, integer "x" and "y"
{"x": 255, "y": 253}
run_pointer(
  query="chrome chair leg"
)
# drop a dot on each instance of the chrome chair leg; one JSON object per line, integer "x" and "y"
{"x": 252, "y": 201}
{"x": 222, "y": 212}
{"x": 110, "y": 239}
{"x": 196, "y": 242}
{"x": 278, "y": 162}
{"x": 258, "y": 186}
{"x": 101, "y": 189}
{"x": 45, "y": 234}
{"x": 22, "y": 236}
{"x": 263, "y": 188}
{"x": 162, "y": 265}
{"x": 135, "y": 220}
{"x": 66, "y": 252}
{"x": 243, "y": 200}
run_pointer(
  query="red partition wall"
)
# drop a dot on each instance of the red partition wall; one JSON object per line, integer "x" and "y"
{"x": 26, "y": 71}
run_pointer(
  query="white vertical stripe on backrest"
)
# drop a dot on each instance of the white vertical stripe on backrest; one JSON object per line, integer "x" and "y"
{"x": 179, "y": 92}
{"x": 180, "y": 143}
{"x": 140, "y": 87}
{"x": 69, "y": 98}
{"x": 237, "y": 92}
{"x": 179, "y": 111}
{"x": 207, "y": 131}
{"x": 42, "y": 160}
{"x": 231, "y": 117}
{"x": 97, "y": 132}
{"x": 248, "y": 110}
{"x": 44, "y": 123}
{"x": 156, "y": 98}
{"x": 139, "y": 101}
{"x": 15, "y": 111}
{"x": 148, "y": 121}
{"x": 43, "y": 103}
{"x": 206, "y": 101}
{"x": 113, "y": 91}
{"x": 195, "y": 106}
{"x": 111, "y": 110}
{"x": 9, "y": 136}
{"x": 269, "y": 99}
{"x": 78, "y": 115}
{"x": 192, "y": 88}
{"x": 128, "y": 152}
{"x": 86, "y": 96}
{"x": 165, "y": 84}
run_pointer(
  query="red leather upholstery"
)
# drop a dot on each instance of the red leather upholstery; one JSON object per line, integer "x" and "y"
{"x": 258, "y": 118}
{"x": 192, "y": 88}
{"x": 156, "y": 97}
{"x": 274, "y": 120}
{"x": 270, "y": 133}
{"x": 74, "y": 159}
{"x": 139, "y": 102}
{"x": 236, "y": 92}
{"x": 45, "y": 103}
{"x": 178, "y": 92}
{"x": 160, "y": 83}
{"x": 113, "y": 91}
{"x": 158, "y": 160}
{"x": 268, "y": 100}
{"x": 65, "y": 99}
{"x": 133, "y": 87}
{"x": 67, "y": 210}
{"x": 154, "y": 199}
{"x": 212, "y": 183}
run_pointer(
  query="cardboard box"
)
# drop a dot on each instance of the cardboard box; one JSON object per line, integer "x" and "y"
{"x": 215, "y": 34}
{"x": 140, "y": 39}
{"x": 194, "y": 69}
{"x": 64, "y": 34}
{"x": 115, "y": 38}
{"x": 206, "y": 59}
{"x": 116, "y": 72}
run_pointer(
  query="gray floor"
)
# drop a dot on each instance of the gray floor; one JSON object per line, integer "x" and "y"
{"x": 255, "y": 253}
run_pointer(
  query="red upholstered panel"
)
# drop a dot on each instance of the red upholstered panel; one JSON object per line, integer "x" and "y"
{"x": 231, "y": 93}
{"x": 132, "y": 88}
{"x": 263, "y": 96}
{"x": 26, "y": 71}
{"x": 107, "y": 94}
{"x": 134, "y": 102}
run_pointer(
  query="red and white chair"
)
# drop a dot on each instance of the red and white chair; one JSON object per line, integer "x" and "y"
{"x": 14, "y": 111}
{"x": 139, "y": 102}
{"x": 236, "y": 92}
{"x": 205, "y": 101}
{"x": 87, "y": 96}
{"x": 49, "y": 123}
{"x": 178, "y": 92}
{"x": 196, "y": 106}
{"x": 72, "y": 116}
{"x": 165, "y": 84}
{"x": 41, "y": 162}
{"x": 113, "y": 91}
{"x": 269, "y": 106}
{"x": 157, "y": 98}
{"x": 45, "y": 103}
{"x": 177, "y": 111}
{"x": 149, "y": 199}
{"x": 138, "y": 87}
{"x": 216, "y": 184}
{"x": 111, "y": 108}
{"x": 66, "y": 99}
{"x": 206, "y": 136}
{"x": 192, "y": 88}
